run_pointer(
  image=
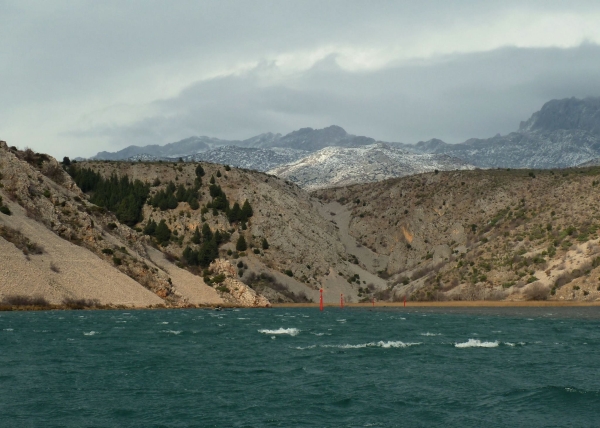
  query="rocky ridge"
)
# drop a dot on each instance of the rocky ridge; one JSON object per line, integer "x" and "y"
{"x": 337, "y": 166}
{"x": 564, "y": 133}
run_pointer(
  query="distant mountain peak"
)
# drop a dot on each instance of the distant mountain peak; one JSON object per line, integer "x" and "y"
{"x": 565, "y": 114}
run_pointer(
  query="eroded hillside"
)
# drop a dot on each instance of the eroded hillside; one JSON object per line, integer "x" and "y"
{"x": 58, "y": 246}
{"x": 484, "y": 234}
{"x": 303, "y": 250}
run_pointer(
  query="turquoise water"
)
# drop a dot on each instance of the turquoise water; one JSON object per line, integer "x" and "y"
{"x": 299, "y": 367}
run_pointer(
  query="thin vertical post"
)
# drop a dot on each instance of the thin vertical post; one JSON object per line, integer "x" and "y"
{"x": 321, "y": 300}
{"x": 342, "y": 301}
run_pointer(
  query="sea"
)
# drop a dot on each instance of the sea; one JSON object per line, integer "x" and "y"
{"x": 351, "y": 367}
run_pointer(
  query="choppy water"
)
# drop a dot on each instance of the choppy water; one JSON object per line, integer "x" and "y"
{"x": 298, "y": 367}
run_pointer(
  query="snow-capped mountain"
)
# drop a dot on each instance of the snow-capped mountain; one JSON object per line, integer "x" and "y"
{"x": 339, "y": 166}
{"x": 563, "y": 133}
{"x": 248, "y": 158}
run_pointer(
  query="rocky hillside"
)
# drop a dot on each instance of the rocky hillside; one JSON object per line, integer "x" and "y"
{"x": 292, "y": 248}
{"x": 337, "y": 166}
{"x": 495, "y": 234}
{"x": 186, "y": 234}
{"x": 564, "y": 133}
{"x": 58, "y": 246}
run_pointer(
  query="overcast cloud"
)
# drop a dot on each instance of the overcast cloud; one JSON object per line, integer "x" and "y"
{"x": 80, "y": 77}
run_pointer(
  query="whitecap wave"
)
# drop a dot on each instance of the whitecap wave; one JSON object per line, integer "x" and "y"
{"x": 380, "y": 344}
{"x": 476, "y": 343}
{"x": 8, "y": 329}
{"x": 431, "y": 334}
{"x": 290, "y": 331}
{"x": 171, "y": 331}
{"x": 90, "y": 333}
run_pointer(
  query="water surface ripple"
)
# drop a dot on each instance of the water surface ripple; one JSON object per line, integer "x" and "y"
{"x": 301, "y": 368}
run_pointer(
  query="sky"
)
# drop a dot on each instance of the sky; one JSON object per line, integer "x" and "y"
{"x": 79, "y": 77}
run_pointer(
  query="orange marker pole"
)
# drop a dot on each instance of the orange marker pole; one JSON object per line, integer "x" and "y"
{"x": 342, "y": 301}
{"x": 321, "y": 300}
{"x": 405, "y": 301}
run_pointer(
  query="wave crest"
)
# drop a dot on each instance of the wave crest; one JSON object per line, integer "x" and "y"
{"x": 281, "y": 330}
{"x": 476, "y": 343}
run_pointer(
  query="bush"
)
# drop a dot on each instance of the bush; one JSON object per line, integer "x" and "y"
{"x": 107, "y": 251}
{"x": 289, "y": 273}
{"x": 21, "y": 300}
{"x": 117, "y": 261}
{"x": 218, "y": 279}
{"x": 536, "y": 291}
{"x": 79, "y": 303}
{"x": 265, "y": 244}
{"x": 256, "y": 251}
{"x": 5, "y": 210}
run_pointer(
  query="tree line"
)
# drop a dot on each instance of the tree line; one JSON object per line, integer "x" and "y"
{"x": 122, "y": 196}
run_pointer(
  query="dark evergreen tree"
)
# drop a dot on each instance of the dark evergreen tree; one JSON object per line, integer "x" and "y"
{"x": 218, "y": 173}
{"x": 199, "y": 171}
{"x": 212, "y": 179}
{"x": 196, "y": 237}
{"x": 206, "y": 232}
{"x": 247, "y": 211}
{"x": 150, "y": 228}
{"x": 234, "y": 214}
{"x": 241, "y": 244}
{"x": 66, "y": 161}
{"x": 194, "y": 205}
{"x": 163, "y": 233}
{"x": 265, "y": 244}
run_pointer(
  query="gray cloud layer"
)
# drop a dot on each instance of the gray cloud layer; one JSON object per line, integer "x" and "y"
{"x": 80, "y": 77}
{"x": 455, "y": 98}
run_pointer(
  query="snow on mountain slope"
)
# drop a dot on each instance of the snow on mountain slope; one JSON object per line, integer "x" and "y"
{"x": 338, "y": 166}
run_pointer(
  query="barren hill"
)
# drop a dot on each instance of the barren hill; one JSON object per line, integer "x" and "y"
{"x": 495, "y": 234}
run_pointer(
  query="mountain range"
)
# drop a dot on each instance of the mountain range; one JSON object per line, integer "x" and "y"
{"x": 563, "y": 133}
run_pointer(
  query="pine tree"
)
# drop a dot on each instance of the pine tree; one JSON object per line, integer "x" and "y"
{"x": 219, "y": 173}
{"x": 241, "y": 244}
{"x": 199, "y": 171}
{"x": 196, "y": 236}
{"x": 206, "y": 232}
{"x": 194, "y": 205}
{"x": 247, "y": 211}
{"x": 150, "y": 228}
{"x": 234, "y": 214}
{"x": 265, "y": 244}
{"x": 212, "y": 179}
{"x": 163, "y": 233}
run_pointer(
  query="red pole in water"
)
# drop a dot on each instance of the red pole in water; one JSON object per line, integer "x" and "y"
{"x": 405, "y": 301}
{"x": 342, "y": 301}
{"x": 321, "y": 300}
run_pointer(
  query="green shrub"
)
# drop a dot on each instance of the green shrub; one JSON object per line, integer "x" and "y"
{"x": 107, "y": 251}
{"x": 5, "y": 210}
{"x": 117, "y": 261}
{"x": 289, "y": 273}
{"x": 218, "y": 279}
